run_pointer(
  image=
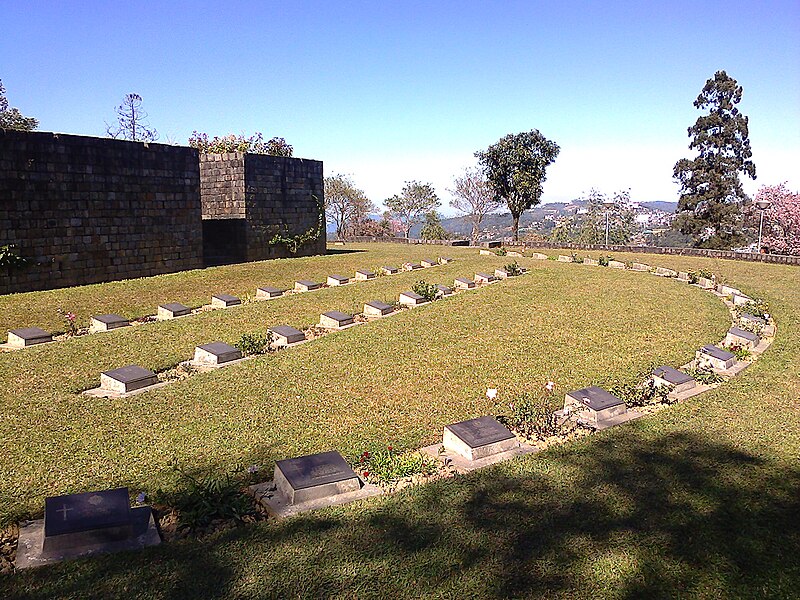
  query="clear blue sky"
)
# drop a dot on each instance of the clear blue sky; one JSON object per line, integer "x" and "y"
{"x": 389, "y": 92}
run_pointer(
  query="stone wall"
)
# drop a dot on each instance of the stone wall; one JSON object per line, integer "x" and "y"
{"x": 84, "y": 210}
{"x": 272, "y": 195}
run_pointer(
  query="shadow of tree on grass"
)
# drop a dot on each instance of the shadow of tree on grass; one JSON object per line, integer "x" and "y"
{"x": 627, "y": 515}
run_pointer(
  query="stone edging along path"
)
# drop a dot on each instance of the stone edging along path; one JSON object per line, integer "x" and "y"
{"x": 272, "y": 494}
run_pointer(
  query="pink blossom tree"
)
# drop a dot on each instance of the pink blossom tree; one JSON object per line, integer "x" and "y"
{"x": 781, "y": 219}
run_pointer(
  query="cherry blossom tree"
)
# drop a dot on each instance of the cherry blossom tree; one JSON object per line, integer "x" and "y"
{"x": 781, "y": 219}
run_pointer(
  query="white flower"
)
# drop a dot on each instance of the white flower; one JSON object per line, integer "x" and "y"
{"x": 491, "y": 393}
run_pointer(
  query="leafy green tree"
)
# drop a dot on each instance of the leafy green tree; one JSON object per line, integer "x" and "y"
{"x": 11, "y": 118}
{"x": 346, "y": 206}
{"x": 414, "y": 201}
{"x": 254, "y": 144}
{"x": 473, "y": 197}
{"x": 711, "y": 195}
{"x": 132, "y": 121}
{"x": 433, "y": 228}
{"x": 515, "y": 169}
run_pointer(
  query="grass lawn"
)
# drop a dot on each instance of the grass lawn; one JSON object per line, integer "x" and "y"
{"x": 700, "y": 500}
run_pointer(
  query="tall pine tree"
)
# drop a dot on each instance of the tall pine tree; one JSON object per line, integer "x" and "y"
{"x": 711, "y": 195}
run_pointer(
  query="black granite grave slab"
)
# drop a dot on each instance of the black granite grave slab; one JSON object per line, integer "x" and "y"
{"x": 176, "y": 309}
{"x": 596, "y": 398}
{"x": 315, "y": 469}
{"x": 744, "y": 334}
{"x": 224, "y": 352}
{"x": 31, "y": 336}
{"x": 291, "y": 334}
{"x": 671, "y": 375}
{"x": 85, "y": 512}
{"x": 480, "y": 432}
{"x": 718, "y": 353}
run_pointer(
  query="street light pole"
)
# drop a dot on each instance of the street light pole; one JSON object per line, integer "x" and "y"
{"x": 762, "y": 205}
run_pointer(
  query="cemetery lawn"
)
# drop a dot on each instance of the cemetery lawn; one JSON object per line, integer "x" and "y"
{"x": 698, "y": 501}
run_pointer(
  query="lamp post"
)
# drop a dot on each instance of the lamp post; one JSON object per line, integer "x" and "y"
{"x": 608, "y": 204}
{"x": 762, "y": 205}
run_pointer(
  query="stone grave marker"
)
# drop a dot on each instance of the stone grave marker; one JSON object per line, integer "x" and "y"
{"x": 484, "y": 278}
{"x": 286, "y": 335}
{"x": 107, "y": 323}
{"x": 678, "y": 380}
{"x": 411, "y": 299}
{"x": 443, "y": 260}
{"x": 376, "y": 308}
{"x": 224, "y": 300}
{"x": 334, "y": 280}
{"x": 266, "y": 292}
{"x": 462, "y": 283}
{"x": 596, "y": 406}
{"x": 127, "y": 379}
{"x": 683, "y": 276}
{"x": 444, "y": 290}
{"x": 640, "y": 267}
{"x": 304, "y": 285}
{"x": 539, "y": 256}
{"x": 388, "y": 270}
{"x": 82, "y": 524}
{"x": 478, "y": 438}
{"x": 314, "y": 477}
{"x": 615, "y": 264}
{"x": 28, "y": 336}
{"x": 215, "y": 353}
{"x": 591, "y": 262}
{"x": 501, "y": 274}
{"x": 172, "y": 310}
{"x": 742, "y": 337}
{"x": 562, "y": 258}
{"x": 428, "y": 262}
{"x": 364, "y": 275}
{"x": 714, "y": 357}
{"x": 335, "y": 319}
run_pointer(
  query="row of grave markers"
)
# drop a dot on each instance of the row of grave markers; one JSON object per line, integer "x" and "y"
{"x": 32, "y": 336}
{"x": 103, "y": 521}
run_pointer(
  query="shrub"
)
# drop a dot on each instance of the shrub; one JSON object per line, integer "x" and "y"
{"x": 389, "y": 466}
{"x": 429, "y": 291}
{"x": 254, "y": 343}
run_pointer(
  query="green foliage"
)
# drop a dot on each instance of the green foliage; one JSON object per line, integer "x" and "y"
{"x": 11, "y": 118}
{"x": 433, "y": 229}
{"x": 705, "y": 375}
{"x": 205, "y": 497}
{"x": 429, "y": 291}
{"x": 10, "y": 259}
{"x": 709, "y": 207}
{"x": 415, "y": 200}
{"x": 515, "y": 169}
{"x": 254, "y": 343}
{"x": 254, "y": 144}
{"x": 389, "y": 466}
{"x": 531, "y": 415}
{"x": 132, "y": 121}
{"x": 513, "y": 269}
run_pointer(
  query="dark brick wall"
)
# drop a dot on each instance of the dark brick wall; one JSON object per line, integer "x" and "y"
{"x": 84, "y": 210}
{"x": 273, "y": 194}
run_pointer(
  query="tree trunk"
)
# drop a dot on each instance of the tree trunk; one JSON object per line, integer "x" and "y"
{"x": 516, "y": 227}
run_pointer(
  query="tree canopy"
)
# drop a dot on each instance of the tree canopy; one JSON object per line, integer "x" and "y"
{"x": 414, "y": 201}
{"x": 515, "y": 167}
{"x": 11, "y": 118}
{"x": 132, "y": 121}
{"x": 473, "y": 197}
{"x": 711, "y": 194}
{"x": 254, "y": 144}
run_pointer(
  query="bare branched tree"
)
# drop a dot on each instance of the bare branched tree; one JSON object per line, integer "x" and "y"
{"x": 132, "y": 121}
